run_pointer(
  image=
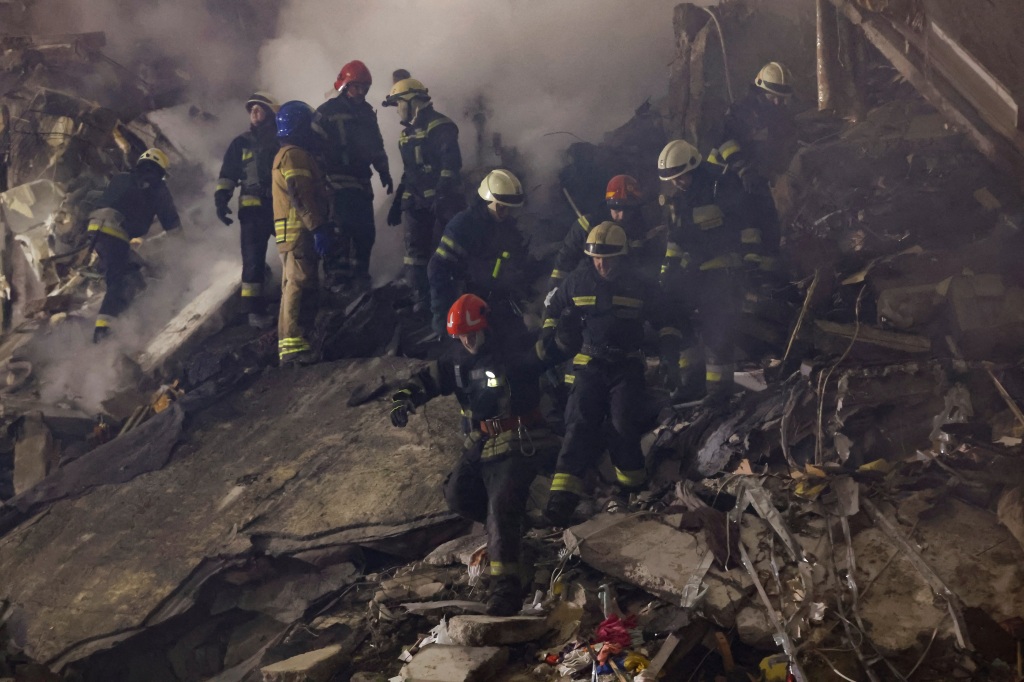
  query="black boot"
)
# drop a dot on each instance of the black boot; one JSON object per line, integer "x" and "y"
{"x": 100, "y": 333}
{"x": 506, "y": 598}
{"x": 560, "y": 507}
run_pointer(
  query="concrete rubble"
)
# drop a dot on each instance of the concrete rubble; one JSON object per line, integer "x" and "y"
{"x": 854, "y": 512}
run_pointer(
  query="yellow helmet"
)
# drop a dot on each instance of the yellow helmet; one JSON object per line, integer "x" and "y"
{"x": 502, "y": 187}
{"x": 774, "y": 78}
{"x": 405, "y": 89}
{"x": 606, "y": 240}
{"x": 156, "y": 156}
{"x": 678, "y": 157}
{"x": 264, "y": 99}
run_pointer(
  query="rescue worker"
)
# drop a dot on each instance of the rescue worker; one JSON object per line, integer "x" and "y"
{"x": 352, "y": 144}
{"x": 611, "y": 301}
{"x": 247, "y": 164}
{"x": 646, "y": 246}
{"x": 301, "y": 228}
{"x": 495, "y": 377}
{"x": 124, "y": 212}
{"x": 713, "y": 242}
{"x": 430, "y": 192}
{"x": 482, "y": 252}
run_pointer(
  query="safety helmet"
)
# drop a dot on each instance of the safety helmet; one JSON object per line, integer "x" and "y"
{"x": 263, "y": 99}
{"x": 467, "y": 315}
{"x": 606, "y": 240}
{"x": 353, "y": 72}
{"x": 156, "y": 156}
{"x": 678, "y": 157}
{"x": 405, "y": 89}
{"x": 623, "y": 191}
{"x": 294, "y": 119}
{"x": 502, "y": 187}
{"x": 774, "y": 78}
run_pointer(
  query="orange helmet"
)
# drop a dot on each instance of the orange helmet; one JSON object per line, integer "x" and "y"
{"x": 468, "y": 314}
{"x": 353, "y": 72}
{"x": 623, "y": 191}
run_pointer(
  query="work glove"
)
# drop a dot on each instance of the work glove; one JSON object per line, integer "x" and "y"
{"x": 223, "y": 210}
{"x": 323, "y": 237}
{"x": 401, "y": 407}
{"x": 386, "y": 181}
{"x": 395, "y": 214}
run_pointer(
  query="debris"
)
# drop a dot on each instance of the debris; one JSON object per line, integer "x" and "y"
{"x": 439, "y": 663}
{"x": 494, "y": 631}
{"x": 315, "y": 666}
{"x": 35, "y": 452}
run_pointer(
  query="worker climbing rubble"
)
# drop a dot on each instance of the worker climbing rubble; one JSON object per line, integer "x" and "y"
{"x": 483, "y": 253}
{"x": 430, "y": 192}
{"x": 495, "y": 376}
{"x": 125, "y": 212}
{"x": 352, "y": 143}
{"x": 302, "y": 230}
{"x": 247, "y": 165}
{"x": 612, "y": 301}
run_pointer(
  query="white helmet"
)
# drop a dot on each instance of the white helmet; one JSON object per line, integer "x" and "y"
{"x": 774, "y": 78}
{"x": 502, "y": 187}
{"x": 678, "y": 157}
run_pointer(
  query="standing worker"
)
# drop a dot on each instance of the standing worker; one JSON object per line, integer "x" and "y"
{"x": 247, "y": 164}
{"x": 713, "y": 243}
{"x": 430, "y": 192}
{"x": 301, "y": 228}
{"x": 495, "y": 378}
{"x": 352, "y": 144}
{"x": 611, "y": 302}
{"x": 125, "y": 212}
{"x": 482, "y": 253}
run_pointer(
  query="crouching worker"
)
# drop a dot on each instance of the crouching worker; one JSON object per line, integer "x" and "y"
{"x": 496, "y": 381}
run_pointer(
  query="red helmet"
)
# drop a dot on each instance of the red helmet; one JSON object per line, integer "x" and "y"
{"x": 353, "y": 72}
{"x": 467, "y": 315}
{"x": 623, "y": 191}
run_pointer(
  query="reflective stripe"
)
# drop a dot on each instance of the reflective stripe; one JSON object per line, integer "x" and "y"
{"x": 569, "y": 379}
{"x": 447, "y": 174}
{"x": 246, "y": 202}
{"x": 296, "y": 172}
{"x": 689, "y": 357}
{"x": 409, "y": 260}
{"x": 714, "y": 156}
{"x": 631, "y": 478}
{"x": 550, "y": 323}
{"x": 751, "y": 235}
{"x": 557, "y": 274}
{"x": 729, "y": 260}
{"x": 674, "y": 250}
{"x": 251, "y": 289}
{"x": 453, "y": 245}
{"x": 291, "y": 346}
{"x": 728, "y": 148}
{"x": 287, "y": 229}
{"x": 581, "y": 360}
{"x": 497, "y": 264}
{"x": 440, "y": 251}
{"x": 104, "y": 320}
{"x": 428, "y": 193}
{"x": 500, "y": 568}
{"x": 719, "y": 373}
{"x": 670, "y": 331}
{"x": 627, "y": 302}
{"x": 246, "y": 154}
{"x": 584, "y": 300}
{"x": 708, "y": 217}
{"x": 110, "y": 230}
{"x": 406, "y": 195}
{"x": 567, "y": 483}
{"x": 226, "y": 183}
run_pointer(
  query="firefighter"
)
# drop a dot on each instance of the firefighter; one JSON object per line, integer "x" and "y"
{"x": 611, "y": 301}
{"x": 125, "y": 211}
{"x": 430, "y": 191}
{"x": 646, "y": 246}
{"x": 352, "y": 144}
{"x": 713, "y": 242}
{"x": 301, "y": 228}
{"x": 495, "y": 377}
{"x": 247, "y": 164}
{"x": 482, "y": 252}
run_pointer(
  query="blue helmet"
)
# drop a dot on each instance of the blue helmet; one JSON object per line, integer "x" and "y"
{"x": 294, "y": 119}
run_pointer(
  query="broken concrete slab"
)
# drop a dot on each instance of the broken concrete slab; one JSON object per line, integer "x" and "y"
{"x": 314, "y": 666}
{"x": 457, "y": 551}
{"x": 755, "y": 629}
{"x": 443, "y": 663}
{"x": 643, "y": 552}
{"x": 495, "y": 631}
{"x": 35, "y": 452}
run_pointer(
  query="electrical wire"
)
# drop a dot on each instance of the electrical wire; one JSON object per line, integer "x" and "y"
{"x": 725, "y": 57}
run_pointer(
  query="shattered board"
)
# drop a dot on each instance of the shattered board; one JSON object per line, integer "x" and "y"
{"x": 285, "y": 459}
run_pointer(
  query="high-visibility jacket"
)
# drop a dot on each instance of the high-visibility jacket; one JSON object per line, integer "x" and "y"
{"x": 646, "y": 245}
{"x": 351, "y": 142}
{"x": 477, "y": 255}
{"x": 498, "y": 390}
{"x": 611, "y": 314}
{"x": 130, "y": 203}
{"x": 300, "y": 195}
{"x": 432, "y": 162}
{"x": 248, "y": 163}
{"x": 712, "y": 226}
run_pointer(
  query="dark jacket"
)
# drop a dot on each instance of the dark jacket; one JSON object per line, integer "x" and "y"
{"x": 646, "y": 246}
{"x": 139, "y": 199}
{"x": 758, "y": 136}
{"x": 352, "y": 142}
{"x": 477, "y": 255}
{"x": 432, "y": 161}
{"x": 247, "y": 164}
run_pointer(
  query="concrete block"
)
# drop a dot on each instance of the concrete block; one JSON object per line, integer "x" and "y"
{"x": 755, "y": 629}
{"x": 312, "y": 666}
{"x": 35, "y": 452}
{"x": 495, "y": 631}
{"x": 439, "y": 663}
